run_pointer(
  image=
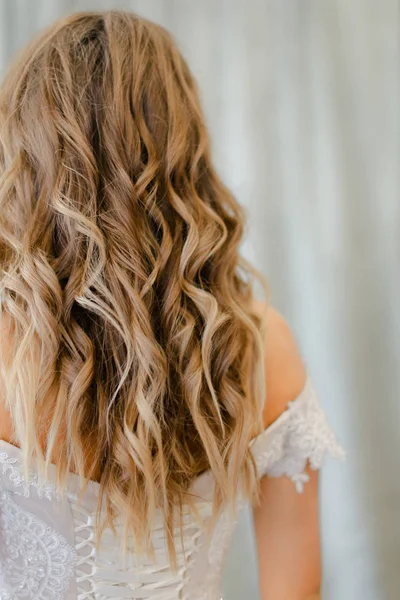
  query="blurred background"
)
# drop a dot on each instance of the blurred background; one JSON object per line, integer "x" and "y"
{"x": 302, "y": 98}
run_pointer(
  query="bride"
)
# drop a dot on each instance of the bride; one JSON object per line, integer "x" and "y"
{"x": 146, "y": 396}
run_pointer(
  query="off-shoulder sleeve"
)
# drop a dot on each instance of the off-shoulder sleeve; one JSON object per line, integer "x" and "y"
{"x": 300, "y": 435}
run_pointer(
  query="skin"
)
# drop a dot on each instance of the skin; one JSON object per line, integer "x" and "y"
{"x": 286, "y": 523}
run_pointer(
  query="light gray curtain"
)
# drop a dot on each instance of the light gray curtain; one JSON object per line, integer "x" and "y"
{"x": 302, "y": 98}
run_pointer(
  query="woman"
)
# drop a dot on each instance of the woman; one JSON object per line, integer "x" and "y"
{"x": 135, "y": 360}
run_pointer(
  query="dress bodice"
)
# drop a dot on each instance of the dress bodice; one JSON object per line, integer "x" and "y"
{"x": 47, "y": 542}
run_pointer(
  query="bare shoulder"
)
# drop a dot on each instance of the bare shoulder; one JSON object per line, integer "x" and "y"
{"x": 284, "y": 368}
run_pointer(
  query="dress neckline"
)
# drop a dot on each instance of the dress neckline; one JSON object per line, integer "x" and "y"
{"x": 200, "y": 483}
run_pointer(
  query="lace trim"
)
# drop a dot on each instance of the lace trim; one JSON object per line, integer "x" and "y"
{"x": 12, "y": 466}
{"x": 301, "y": 435}
{"x": 217, "y": 551}
{"x": 37, "y": 561}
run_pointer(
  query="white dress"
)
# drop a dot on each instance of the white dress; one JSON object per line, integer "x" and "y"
{"x": 47, "y": 545}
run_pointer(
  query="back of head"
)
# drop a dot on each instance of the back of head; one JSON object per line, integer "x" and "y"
{"x": 130, "y": 309}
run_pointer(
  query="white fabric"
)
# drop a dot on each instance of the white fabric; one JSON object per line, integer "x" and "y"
{"x": 47, "y": 546}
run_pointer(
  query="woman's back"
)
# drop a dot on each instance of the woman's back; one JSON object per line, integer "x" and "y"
{"x": 132, "y": 352}
{"x": 48, "y": 548}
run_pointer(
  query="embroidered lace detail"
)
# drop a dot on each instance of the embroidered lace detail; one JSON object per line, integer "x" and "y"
{"x": 221, "y": 538}
{"x": 12, "y": 467}
{"x": 300, "y": 435}
{"x": 37, "y": 561}
{"x": 217, "y": 551}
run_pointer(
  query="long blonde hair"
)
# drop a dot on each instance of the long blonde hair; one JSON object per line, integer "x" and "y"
{"x": 131, "y": 310}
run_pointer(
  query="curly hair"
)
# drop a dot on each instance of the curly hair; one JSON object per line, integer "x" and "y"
{"x": 137, "y": 351}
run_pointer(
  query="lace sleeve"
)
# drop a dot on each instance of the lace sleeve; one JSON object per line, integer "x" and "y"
{"x": 299, "y": 436}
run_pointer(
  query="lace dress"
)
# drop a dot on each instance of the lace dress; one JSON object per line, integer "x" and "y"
{"x": 47, "y": 545}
